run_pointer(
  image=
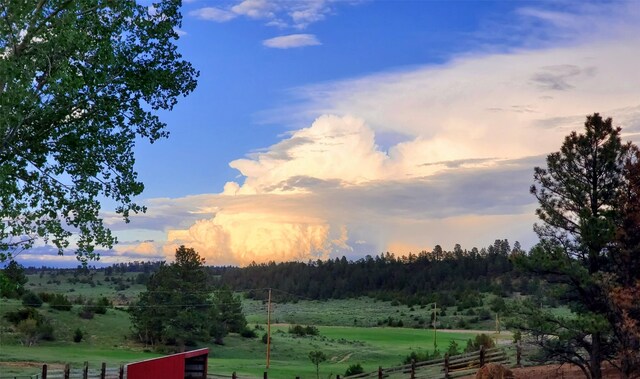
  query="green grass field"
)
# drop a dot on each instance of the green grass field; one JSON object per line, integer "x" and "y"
{"x": 348, "y": 334}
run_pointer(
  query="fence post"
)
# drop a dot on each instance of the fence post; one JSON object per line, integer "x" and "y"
{"x": 103, "y": 371}
{"x": 233, "y": 375}
{"x": 121, "y": 372}
{"x": 481, "y": 356}
{"x": 413, "y": 369}
{"x": 85, "y": 371}
{"x": 67, "y": 371}
{"x": 44, "y": 371}
{"x": 379, "y": 372}
{"x": 446, "y": 366}
{"x": 337, "y": 376}
{"x": 265, "y": 376}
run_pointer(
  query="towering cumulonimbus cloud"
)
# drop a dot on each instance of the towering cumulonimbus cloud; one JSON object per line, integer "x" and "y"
{"x": 417, "y": 156}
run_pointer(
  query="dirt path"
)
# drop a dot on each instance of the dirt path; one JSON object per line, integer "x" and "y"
{"x": 346, "y": 357}
{"x": 476, "y": 331}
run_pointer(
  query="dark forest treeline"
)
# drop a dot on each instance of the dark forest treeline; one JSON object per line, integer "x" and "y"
{"x": 422, "y": 278}
{"x": 446, "y": 277}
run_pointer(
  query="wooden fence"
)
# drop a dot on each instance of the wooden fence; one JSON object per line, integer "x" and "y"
{"x": 442, "y": 368}
{"x": 84, "y": 372}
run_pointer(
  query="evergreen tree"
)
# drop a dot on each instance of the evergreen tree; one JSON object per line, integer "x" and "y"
{"x": 579, "y": 196}
{"x": 176, "y": 306}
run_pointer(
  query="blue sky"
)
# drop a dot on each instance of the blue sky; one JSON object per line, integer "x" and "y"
{"x": 326, "y": 128}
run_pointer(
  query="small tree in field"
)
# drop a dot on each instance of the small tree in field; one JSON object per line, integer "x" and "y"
{"x": 316, "y": 358}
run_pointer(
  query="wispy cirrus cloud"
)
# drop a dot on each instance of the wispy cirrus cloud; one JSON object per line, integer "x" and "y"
{"x": 291, "y": 41}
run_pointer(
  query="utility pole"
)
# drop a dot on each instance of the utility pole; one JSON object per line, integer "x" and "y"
{"x": 269, "y": 329}
{"x": 435, "y": 328}
{"x": 497, "y": 323}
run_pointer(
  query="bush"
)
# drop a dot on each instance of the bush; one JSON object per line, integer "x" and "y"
{"x": 30, "y": 299}
{"x": 22, "y": 314}
{"x": 453, "y": 348}
{"x": 45, "y": 296}
{"x": 86, "y": 314}
{"x": 100, "y": 307}
{"x": 297, "y": 330}
{"x": 60, "y": 302}
{"x": 354, "y": 369}
{"x": 31, "y": 324}
{"x": 302, "y": 331}
{"x": 248, "y": 333}
{"x": 311, "y": 330}
{"x": 517, "y": 336}
{"x": 78, "y": 335}
{"x": 265, "y": 338}
{"x": 484, "y": 314}
{"x": 421, "y": 356}
{"x": 480, "y": 340}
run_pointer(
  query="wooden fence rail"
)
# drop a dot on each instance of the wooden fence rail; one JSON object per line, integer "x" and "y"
{"x": 83, "y": 373}
{"x": 448, "y": 367}
{"x": 441, "y": 368}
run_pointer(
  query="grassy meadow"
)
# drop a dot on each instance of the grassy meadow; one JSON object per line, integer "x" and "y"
{"x": 350, "y": 331}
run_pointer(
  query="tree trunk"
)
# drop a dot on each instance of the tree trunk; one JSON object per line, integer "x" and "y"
{"x": 595, "y": 366}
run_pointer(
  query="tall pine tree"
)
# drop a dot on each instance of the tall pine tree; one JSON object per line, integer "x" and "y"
{"x": 580, "y": 206}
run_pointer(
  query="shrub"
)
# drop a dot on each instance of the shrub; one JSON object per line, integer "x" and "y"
{"x": 30, "y": 299}
{"x": 79, "y": 300}
{"x": 302, "y": 331}
{"x": 265, "y": 338}
{"x": 484, "y": 314}
{"x": 22, "y": 314}
{"x": 45, "y": 296}
{"x": 60, "y": 302}
{"x": 297, "y": 330}
{"x": 31, "y": 324}
{"x": 454, "y": 348}
{"x": 85, "y": 314}
{"x": 78, "y": 335}
{"x": 354, "y": 369}
{"x": 517, "y": 336}
{"x": 248, "y": 333}
{"x": 421, "y": 356}
{"x": 480, "y": 340}
{"x": 311, "y": 330}
{"x": 100, "y": 307}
